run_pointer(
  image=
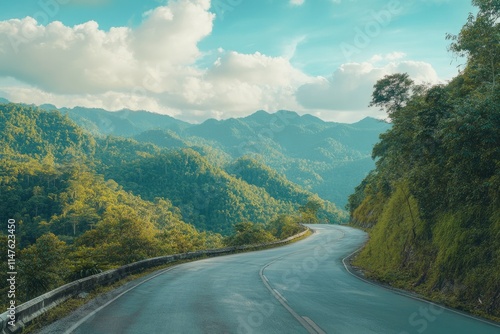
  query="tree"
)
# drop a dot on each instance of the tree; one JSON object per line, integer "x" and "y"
{"x": 247, "y": 233}
{"x": 124, "y": 237}
{"x": 284, "y": 226}
{"x": 392, "y": 92}
{"x": 43, "y": 266}
{"x": 479, "y": 41}
{"x": 309, "y": 211}
{"x": 436, "y": 225}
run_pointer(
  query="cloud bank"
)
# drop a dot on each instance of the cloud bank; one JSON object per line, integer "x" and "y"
{"x": 154, "y": 67}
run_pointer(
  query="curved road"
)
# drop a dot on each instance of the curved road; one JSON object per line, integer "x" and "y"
{"x": 300, "y": 288}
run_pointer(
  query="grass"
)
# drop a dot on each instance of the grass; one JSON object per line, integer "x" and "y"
{"x": 421, "y": 291}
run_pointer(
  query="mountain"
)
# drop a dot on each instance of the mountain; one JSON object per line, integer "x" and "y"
{"x": 31, "y": 131}
{"x": 326, "y": 158}
{"x": 207, "y": 197}
{"x": 124, "y": 122}
{"x": 257, "y": 173}
{"x": 162, "y": 138}
{"x": 98, "y": 202}
{"x": 204, "y": 193}
{"x": 307, "y": 150}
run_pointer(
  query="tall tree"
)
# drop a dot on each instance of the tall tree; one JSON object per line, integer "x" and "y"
{"x": 479, "y": 42}
{"x": 392, "y": 92}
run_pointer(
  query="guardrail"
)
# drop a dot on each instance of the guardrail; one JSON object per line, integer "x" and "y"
{"x": 30, "y": 310}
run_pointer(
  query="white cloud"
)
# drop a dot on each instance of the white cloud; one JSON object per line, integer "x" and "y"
{"x": 291, "y": 47}
{"x": 393, "y": 56}
{"x": 150, "y": 67}
{"x": 350, "y": 87}
{"x": 241, "y": 83}
{"x": 168, "y": 34}
{"x": 256, "y": 68}
{"x": 86, "y": 59}
{"x": 153, "y": 67}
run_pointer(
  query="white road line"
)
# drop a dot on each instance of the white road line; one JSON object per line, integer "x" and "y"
{"x": 310, "y": 329}
{"x": 276, "y": 295}
{"x": 313, "y": 325}
{"x": 91, "y": 314}
{"x": 401, "y": 293}
{"x": 281, "y": 296}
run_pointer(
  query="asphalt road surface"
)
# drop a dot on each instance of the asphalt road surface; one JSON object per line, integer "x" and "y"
{"x": 300, "y": 288}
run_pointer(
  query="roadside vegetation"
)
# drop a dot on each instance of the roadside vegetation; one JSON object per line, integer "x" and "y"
{"x": 432, "y": 206}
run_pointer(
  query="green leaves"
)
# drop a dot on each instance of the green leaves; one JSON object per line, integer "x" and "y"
{"x": 441, "y": 159}
{"x": 479, "y": 41}
{"x": 42, "y": 266}
{"x": 392, "y": 92}
{"x": 247, "y": 233}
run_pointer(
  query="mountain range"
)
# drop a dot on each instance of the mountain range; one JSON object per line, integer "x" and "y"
{"x": 326, "y": 158}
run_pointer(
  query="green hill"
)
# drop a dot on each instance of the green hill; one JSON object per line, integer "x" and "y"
{"x": 206, "y": 195}
{"x": 432, "y": 205}
{"x": 308, "y": 151}
{"x": 124, "y": 122}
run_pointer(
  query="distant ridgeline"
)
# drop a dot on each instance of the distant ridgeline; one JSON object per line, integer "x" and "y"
{"x": 432, "y": 205}
{"x": 40, "y": 145}
{"x": 323, "y": 157}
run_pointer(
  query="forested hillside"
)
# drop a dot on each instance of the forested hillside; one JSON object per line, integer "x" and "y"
{"x": 323, "y": 157}
{"x": 125, "y": 122}
{"x": 208, "y": 197}
{"x": 432, "y": 205}
{"x": 84, "y": 204}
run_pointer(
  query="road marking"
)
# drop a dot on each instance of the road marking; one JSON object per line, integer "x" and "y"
{"x": 91, "y": 314}
{"x": 283, "y": 301}
{"x": 402, "y": 293}
{"x": 313, "y": 325}
{"x": 311, "y": 329}
{"x": 281, "y": 296}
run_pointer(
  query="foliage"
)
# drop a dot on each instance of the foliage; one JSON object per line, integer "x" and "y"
{"x": 323, "y": 157}
{"x": 247, "y": 233}
{"x": 42, "y": 266}
{"x": 256, "y": 173}
{"x": 432, "y": 203}
{"x": 309, "y": 211}
{"x": 284, "y": 226}
{"x": 392, "y": 92}
{"x": 85, "y": 204}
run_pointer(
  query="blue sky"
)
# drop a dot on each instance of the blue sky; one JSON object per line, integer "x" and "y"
{"x": 195, "y": 59}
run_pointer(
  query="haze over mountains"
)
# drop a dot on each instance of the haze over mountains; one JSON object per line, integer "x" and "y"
{"x": 325, "y": 158}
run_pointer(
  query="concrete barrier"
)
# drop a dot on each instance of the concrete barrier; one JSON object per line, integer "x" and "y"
{"x": 30, "y": 310}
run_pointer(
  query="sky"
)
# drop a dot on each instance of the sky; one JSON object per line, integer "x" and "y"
{"x": 200, "y": 59}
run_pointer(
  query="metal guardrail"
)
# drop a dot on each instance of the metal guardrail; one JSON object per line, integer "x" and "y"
{"x": 30, "y": 310}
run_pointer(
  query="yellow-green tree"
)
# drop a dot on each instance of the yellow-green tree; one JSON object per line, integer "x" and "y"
{"x": 42, "y": 266}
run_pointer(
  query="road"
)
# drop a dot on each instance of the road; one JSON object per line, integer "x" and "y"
{"x": 300, "y": 288}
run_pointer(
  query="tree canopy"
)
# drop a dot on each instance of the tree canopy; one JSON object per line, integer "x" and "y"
{"x": 433, "y": 203}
